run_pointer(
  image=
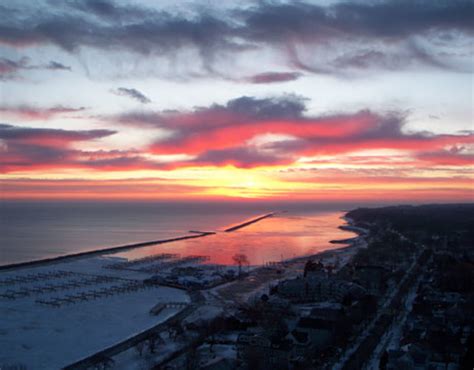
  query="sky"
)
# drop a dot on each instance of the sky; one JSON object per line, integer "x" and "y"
{"x": 236, "y": 100}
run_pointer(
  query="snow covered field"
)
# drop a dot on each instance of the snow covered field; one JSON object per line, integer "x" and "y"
{"x": 92, "y": 312}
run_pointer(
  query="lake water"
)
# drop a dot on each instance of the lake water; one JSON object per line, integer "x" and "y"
{"x": 34, "y": 230}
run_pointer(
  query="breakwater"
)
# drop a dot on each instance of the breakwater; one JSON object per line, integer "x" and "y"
{"x": 123, "y": 248}
{"x": 249, "y": 222}
{"x": 96, "y": 252}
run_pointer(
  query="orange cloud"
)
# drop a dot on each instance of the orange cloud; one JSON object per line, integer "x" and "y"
{"x": 249, "y": 147}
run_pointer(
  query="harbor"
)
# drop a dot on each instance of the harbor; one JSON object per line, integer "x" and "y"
{"x": 114, "y": 291}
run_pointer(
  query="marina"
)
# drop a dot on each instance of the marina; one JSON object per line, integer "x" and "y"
{"x": 115, "y": 290}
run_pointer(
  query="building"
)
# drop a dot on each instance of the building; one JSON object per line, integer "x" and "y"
{"x": 320, "y": 333}
{"x": 316, "y": 289}
{"x": 256, "y": 351}
{"x": 371, "y": 277}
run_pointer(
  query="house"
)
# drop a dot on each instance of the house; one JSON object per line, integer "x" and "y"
{"x": 316, "y": 289}
{"x": 328, "y": 311}
{"x": 219, "y": 363}
{"x": 302, "y": 345}
{"x": 400, "y": 360}
{"x": 256, "y": 351}
{"x": 371, "y": 277}
{"x": 320, "y": 332}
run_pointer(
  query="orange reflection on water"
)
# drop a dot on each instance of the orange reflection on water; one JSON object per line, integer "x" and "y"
{"x": 276, "y": 238}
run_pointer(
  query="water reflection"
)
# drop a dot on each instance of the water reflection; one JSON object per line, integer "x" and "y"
{"x": 273, "y": 239}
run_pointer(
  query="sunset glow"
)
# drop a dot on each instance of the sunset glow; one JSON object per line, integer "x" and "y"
{"x": 267, "y": 110}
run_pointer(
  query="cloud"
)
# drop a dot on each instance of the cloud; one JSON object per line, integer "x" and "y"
{"x": 456, "y": 156}
{"x": 30, "y": 113}
{"x": 239, "y": 120}
{"x": 237, "y": 132}
{"x": 394, "y": 20}
{"x": 33, "y": 148}
{"x": 9, "y": 68}
{"x": 108, "y": 10}
{"x": 242, "y": 110}
{"x": 56, "y": 66}
{"x": 241, "y": 157}
{"x": 142, "y": 30}
{"x": 132, "y": 93}
{"x": 217, "y": 126}
{"x": 245, "y": 132}
{"x": 274, "y": 77}
{"x": 46, "y": 136}
{"x": 308, "y": 36}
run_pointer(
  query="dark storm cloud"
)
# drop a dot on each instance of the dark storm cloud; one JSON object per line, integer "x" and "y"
{"x": 281, "y": 25}
{"x": 132, "y": 93}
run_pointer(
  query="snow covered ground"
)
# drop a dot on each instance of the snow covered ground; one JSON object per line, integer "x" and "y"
{"x": 93, "y": 312}
{"x": 57, "y": 314}
{"x": 366, "y": 331}
{"x": 392, "y": 337}
{"x": 132, "y": 360}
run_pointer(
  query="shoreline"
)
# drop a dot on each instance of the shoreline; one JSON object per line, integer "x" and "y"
{"x": 351, "y": 243}
{"x": 361, "y": 232}
{"x": 240, "y": 291}
{"x": 195, "y": 234}
{"x": 125, "y": 247}
{"x": 292, "y": 267}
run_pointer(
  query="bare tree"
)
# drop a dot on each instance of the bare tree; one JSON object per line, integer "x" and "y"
{"x": 176, "y": 330}
{"x": 140, "y": 346}
{"x": 240, "y": 259}
{"x": 151, "y": 344}
{"x": 105, "y": 363}
{"x": 192, "y": 359}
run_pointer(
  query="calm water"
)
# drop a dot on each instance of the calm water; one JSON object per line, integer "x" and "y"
{"x": 31, "y": 231}
{"x": 273, "y": 239}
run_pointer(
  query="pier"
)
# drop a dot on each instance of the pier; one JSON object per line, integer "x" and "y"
{"x": 122, "y": 248}
{"x": 97, "y": 252}
{"x": 249, "y": 222}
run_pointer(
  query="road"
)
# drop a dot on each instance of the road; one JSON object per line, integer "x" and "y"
{"x": 348, "y": 357}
